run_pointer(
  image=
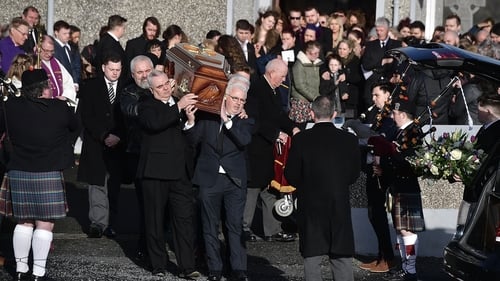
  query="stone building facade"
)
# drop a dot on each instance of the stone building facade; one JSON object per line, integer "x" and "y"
{"x": 197, "y": 17}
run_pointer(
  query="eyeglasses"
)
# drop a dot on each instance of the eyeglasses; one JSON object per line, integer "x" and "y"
{"x": 22, "y": 33}
{"x": 48, "y": 51}
{"x": 294, "y": 18}
{"x": 236, "y": 99}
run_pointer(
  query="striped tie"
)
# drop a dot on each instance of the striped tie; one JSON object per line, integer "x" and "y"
{"x": 111, "y": 93}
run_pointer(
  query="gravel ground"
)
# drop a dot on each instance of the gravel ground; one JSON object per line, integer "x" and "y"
{"x": 78, "y": 258}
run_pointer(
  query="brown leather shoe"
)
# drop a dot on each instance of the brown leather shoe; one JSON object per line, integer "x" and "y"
{"x": 368, "y": 265}
{"x": 382, "y": 266}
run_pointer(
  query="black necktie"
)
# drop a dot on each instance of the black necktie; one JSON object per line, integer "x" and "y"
{"x": 382, "y": 43}
{"x": 220, "y": 136}
{"x": 220, "y": 140}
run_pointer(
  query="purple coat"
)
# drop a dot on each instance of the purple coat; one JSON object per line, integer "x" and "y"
{"x": 7, "y": 53}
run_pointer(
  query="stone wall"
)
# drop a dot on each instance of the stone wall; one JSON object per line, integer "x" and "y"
{"x": 194, "y": 17}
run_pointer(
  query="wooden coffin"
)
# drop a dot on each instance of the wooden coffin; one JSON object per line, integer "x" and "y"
{"x": 199, "y": 71}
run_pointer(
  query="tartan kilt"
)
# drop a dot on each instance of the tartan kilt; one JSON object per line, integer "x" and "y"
{"x": 37, "y": 195}
{"x": 407, "y": 212}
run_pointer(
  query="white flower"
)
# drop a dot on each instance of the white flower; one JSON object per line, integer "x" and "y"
{"x": 427, "y": 156}
{"x": 455, "y": 154}
{"x": 434, "y": 170}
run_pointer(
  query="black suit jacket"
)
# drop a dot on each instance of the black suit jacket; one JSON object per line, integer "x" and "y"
{"x": 30, "y": 43}
{"x": 107, "y": 44}
{"x": 135, "y": 47}
{"x": 232, "y": 158}
{"x": 164, "y": 148}
{"x": 325, "y": 39}
{"x": 487, "y": 138}
{"x": 372, "y": 61}
{"x": 374, "y": 53}
{"x": 73, "y": 66}
{"x": 99, "y": 118}
{"x": 252, "y": 59}
{"x": 264, "y": 106}
{"x": 319, "y": 168}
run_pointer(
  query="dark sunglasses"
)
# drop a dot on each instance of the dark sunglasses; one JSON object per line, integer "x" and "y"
{"x": 295, "y": 18}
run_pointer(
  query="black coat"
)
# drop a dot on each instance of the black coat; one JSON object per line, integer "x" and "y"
{"x": 165, "y": 154}
{"x": 135, "y": 47}
{"x": 264, "y": 106}
{"x": 372, "y": 61}
{"x": 487, "y": 138}
{"x": 106, "y": 45}
{"x": 99, "y": 118}
{"x": 40, "y": 134}
{"x": 317, "y": 167}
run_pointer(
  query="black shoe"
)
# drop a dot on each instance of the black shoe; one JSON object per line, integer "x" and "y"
{"x": 21, "y": 276}
{"x": 190, "y": 274}
{"x": 249, "y": 236}
{"x": 281, "y": 237}
{"x": 95, "y": 231}
{"x": 159, "y": 272}
{"x": 403, "y": 275}
{"x": 239, "y": 275}
{"x": 214, "y": 276}
{"x": 109, "y": 232}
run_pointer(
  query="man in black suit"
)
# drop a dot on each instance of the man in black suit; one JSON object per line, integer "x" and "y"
{"x": 271, "y": 124}
{"x": 316, "y": 166}
{"x": 32, "y": 16}
{"x": 374, "y": 59}
{"x": 67, "y": 56}
{"x": 488, "y": 136}
{"x": 244, "y": 35}
{"x": 137, "y": 46}
{"x": 221, "y": 174}
{"x": 164, "y": 171}
{"x": 110, "y": 43}
{"x": 103, "y": 147}
{"x": 489, "y": 116}
{"x": 324, "y": 34}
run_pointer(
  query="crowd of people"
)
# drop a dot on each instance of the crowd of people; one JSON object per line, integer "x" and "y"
{"x": 287, "y": 70}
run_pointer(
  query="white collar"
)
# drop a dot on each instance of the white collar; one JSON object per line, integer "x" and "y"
{"x": 114, "y": 37}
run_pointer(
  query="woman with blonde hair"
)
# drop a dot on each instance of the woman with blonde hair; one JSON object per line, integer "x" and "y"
{"x": 335, "y": 24}
{"x": 20, "y": 63}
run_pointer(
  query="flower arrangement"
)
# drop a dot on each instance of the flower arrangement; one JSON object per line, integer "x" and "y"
{"x": 450, "y": 156}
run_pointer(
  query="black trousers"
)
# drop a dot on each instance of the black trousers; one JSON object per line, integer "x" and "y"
{"x": 176, "y": 195}
{"x": 224, "y": 193}
{"x": 378, "y": 215}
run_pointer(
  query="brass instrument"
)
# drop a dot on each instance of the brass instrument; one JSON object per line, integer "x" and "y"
{"x": 38, "y": 50}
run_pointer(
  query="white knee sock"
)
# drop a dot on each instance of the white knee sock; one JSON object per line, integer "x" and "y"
{"x": 21, "y": 241}
{"x": 411, "y": 242}
{"x": 402, "y": 250}
{"x": 41, "y": 246}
